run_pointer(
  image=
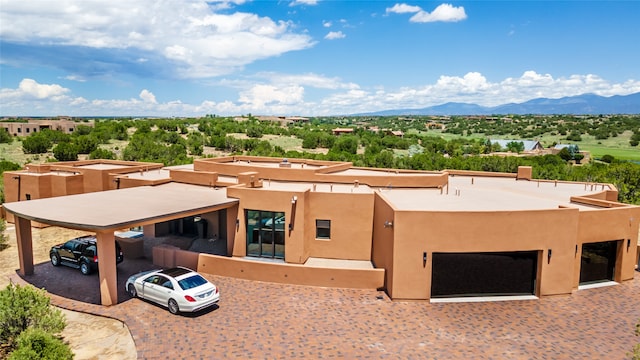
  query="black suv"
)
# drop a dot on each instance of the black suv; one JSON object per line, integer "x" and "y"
{"x": 80, "y": 253}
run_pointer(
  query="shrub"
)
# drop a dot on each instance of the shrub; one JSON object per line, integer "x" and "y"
{"x": 3, "y": 237}
{"x": 607, "y": 158}
{"x": 23, "y": 307}
{"x": 39, "y": 344}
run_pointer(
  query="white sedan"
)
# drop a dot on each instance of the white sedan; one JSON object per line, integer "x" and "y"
{"x": 179, "y": 289}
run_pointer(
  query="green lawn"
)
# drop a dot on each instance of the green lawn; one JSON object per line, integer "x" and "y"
{"x": 617, "y": 147}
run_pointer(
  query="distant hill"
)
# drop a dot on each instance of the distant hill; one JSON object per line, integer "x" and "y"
{"x": 581, "y": 104}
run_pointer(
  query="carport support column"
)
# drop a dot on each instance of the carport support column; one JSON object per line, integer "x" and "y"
{"x": 25, "y": 245}
{"x": 107, "y": 268}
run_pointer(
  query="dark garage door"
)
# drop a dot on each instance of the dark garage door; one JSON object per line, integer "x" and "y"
{"x": 598, "y": 262}
{"x": 484, "y": 274}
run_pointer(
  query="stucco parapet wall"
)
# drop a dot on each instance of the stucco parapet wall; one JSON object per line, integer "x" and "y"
{"x": 205, "y": 178}
{"x": 466, "y": 193}
{"x": 388, "y": 180}
{"x": 597, "y": 202}
{"x": 291, "y": 273}
{"x": 272, "y": 185}
{"x": 480, "y": 173}
{"x": 126, "y": 182}
{"x": 233, "y": 165}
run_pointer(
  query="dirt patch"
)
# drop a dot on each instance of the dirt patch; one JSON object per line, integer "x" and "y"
{"x": 89, "y": 336}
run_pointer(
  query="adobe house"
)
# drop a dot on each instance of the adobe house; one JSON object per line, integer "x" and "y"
{"x": 63, "y": 124}
{"x": 418, "y": 235}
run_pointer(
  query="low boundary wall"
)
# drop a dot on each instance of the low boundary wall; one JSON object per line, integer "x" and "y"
{"x": 291, "y": 273}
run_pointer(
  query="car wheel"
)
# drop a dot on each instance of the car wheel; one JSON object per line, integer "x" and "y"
{"x": 85, "y": 269}
{"x": 173, "y": 307}
{"x": 55, "y": 259}
{"x": 132, "y": 291}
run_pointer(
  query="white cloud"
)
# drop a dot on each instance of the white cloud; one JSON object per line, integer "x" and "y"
{"x": 75, "y": 78}
{"x": 201, "y": 42}
{"x": 290, "y": 94}
{"x": 333, "y": 35}
{"x": 148, "y": 96}
{"x": 403, "y": 9}
{"x": 444, "y": 12}
{"x": 260, "y": 96}
{"x": 327, "y": 24}
{"x": 303, "y": 2}
{"x": 29, "y": 88}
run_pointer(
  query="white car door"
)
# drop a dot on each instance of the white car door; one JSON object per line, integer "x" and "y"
{"x": 152, "y": 288}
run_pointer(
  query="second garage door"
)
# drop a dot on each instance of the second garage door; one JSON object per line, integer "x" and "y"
{"x": 484, "y": 274}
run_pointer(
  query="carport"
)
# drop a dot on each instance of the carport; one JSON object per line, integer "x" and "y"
{"x": 105, "y": 212}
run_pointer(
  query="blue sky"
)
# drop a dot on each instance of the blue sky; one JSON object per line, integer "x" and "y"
{"x": 307, "y": 57}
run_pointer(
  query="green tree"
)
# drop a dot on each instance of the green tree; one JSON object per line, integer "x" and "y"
{"x": 100, "y": 153}
{"x": 346, "y": 143}
{"x": 65, "y": 152}
{"x": 565, "y": 154}
{"x": 23, "y": 307}
{"x": 41, "y": 345}
{"x": 515, "y": 146}
{"x": 608, "y": 158}
{"x": 86, "y": 144}
{"x": 37, "y": 143}
{"x": 5, "y": 137}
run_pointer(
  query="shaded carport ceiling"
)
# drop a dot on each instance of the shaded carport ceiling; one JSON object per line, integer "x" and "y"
{"x": 117, "y": 209}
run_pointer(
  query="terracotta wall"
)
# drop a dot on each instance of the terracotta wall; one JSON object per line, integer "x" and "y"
{"x": 608, "y": 225}
{"x": 290, "y": 273}
{"x": 255, "y": 199}
{"x": 418, "y": 232}
{"x": 205, "y": 178}
{"x": 383, "y": 239}
{"x": 325, "y": 174}
{"x": 351, "y": 216}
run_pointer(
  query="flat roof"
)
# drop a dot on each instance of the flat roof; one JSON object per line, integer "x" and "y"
{"x": 102, "y": 166}
{"x": 491, "y": 194}
{"x": 117, "y": 209}
{"x": 155, "y": 174}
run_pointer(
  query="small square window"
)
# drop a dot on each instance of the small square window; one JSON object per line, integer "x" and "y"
{"x": 323, "y": 229}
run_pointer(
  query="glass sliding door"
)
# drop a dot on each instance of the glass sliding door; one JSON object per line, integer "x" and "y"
{"x": 265, "y": 234}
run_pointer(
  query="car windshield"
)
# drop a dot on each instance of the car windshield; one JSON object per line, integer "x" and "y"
{"x": 192, "y": 282}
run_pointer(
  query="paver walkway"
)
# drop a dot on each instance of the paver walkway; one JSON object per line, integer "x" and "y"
{"x": 258, "y": 320}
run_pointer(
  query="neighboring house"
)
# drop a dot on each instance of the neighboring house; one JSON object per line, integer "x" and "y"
{"x": 32, "y": 125}
{"x": 418, "y": 235}
{"x": 340, "y": 131}
{"x": 529, "y": 145}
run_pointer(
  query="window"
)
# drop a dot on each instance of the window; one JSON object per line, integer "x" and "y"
{"x": 27, "y": 130}
{"x": 323, "y": 229}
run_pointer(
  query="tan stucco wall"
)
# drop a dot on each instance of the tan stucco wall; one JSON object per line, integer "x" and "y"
{"x": 291, "y": 273}
{"x": 383, "y": 239}
{"x": 418, "y": 232}
{"x": 609, "y": 225}
{"x": 351, "y": 217}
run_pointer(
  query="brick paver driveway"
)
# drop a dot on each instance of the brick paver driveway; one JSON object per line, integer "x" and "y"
{"x": 274, "y": 321}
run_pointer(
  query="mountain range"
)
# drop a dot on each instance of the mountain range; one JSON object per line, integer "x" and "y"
{"x": 577, "y": 105}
